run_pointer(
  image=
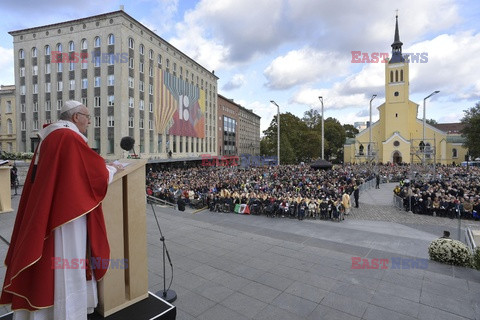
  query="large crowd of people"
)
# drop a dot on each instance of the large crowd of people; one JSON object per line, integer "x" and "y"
{"x": 452, "y": 192}
{"x": 298, "y": 191}
{"x": 294, "y": 191}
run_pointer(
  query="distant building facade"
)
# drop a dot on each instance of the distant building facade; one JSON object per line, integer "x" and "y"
{"x": 133, "y": 82}
{"x": 399, "y": 136}
{"x": 8, "y": 128}
{"x": 238, "y": 129}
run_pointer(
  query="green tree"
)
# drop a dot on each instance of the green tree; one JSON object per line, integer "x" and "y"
{"x": 350, "y": 131}
{"x": 312, "y": 118}
{"x": 431, "y": 121}
{"x": 335, "y": 135}
{"x": 471, "y": 130}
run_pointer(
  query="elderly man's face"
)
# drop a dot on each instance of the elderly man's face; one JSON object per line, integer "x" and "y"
{"x": 82, "y": 119}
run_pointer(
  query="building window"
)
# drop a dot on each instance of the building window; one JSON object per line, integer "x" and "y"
{"x": 48, "y": 87}
{"x": 150, "y": 124}
{"x": 34, "y": 52}
{"x": 22, "y": 108}
{"x": 59, "y": 67}
{"x": 141, "y": 48}
{"x": 401, "y": 75}
{"x": 131, "y": 82}
{"x": 150, "y": 89}
{"x": 150, "y": 107}
{"x": 84, "y": 44}
{"x": 111, "y": 122}
{"x": 97, "y": 82}
{"x": 111, "y": 39}
{"x": 454, "y": 153}
{"x": 160, "y": 60}
{"x": 22, "y": 72}
{"x": 150, "y": 71}
{"x": 130, "y": 122}
{"x": 47, "y": 68}
{"x": 97, "y": 42}
{"x": 141, "y": 105}
{"x": 35, "y": 107}
{"x": 140, "y": 122}
{"x": 71, "y": 46}
{"x": 141, "y": 86}
{"x": 84, "y": 83}
{"x": 72, "y": 84}
{"x": 130, "y": 63}
{"x": 22, "y": 90}
{"x": 35, "y": 70}
{"x": 47, "y": 50}
{"x": 48, "y": 105}
{"x": 35, "y": 88}
{"x": 131, "y": 102}
{"x": 111, "y": 80}
{"x": 111, "y": 100}
{"x": 396, "y": 75}
{"x": 59, "y": 47}
{"x": 84, "y": 65}
{"x": 23, "y": 125}
{"x": 59, "y": 104}
{"x": 35, "y": 125}
{"x": 96, "y": 101}
{"x": 396, "y": 143}
{"x": 8, "y": 108}
{"x": 131, "y": 43}
{"x": 9, "y": 126}
{"x": 96, "y": 122}
{"x": 60, "y": 86}
{"x": 96, "y": 61}
{"x": 71, "y": 66}
{"x": 150, "y": 54}
{"x": 21, "y": 54}
{"x": 141, "y": 67}
{"x": 84, "y": 101}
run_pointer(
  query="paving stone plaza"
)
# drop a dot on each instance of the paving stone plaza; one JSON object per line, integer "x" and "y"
{"x": 230, "y": 266}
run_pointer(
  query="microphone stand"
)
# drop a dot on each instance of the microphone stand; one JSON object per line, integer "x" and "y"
{"x": 167, "y": 294}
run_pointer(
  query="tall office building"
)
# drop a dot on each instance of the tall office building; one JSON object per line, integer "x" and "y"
{"x": 238, "y": 129}
{"x": 134, "y": 83}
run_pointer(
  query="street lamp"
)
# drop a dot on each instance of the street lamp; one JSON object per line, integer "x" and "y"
{"x": 323, "y": 136}
{"x": 370, "y": 125}
{"x": 423, "y": 137}
{"x": 278, "y": 131}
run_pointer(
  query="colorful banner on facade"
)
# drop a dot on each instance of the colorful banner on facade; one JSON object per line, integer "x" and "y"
{"x": 180, "y": 107}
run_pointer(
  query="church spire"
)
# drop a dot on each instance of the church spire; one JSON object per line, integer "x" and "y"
{"x": 397, "y": 46}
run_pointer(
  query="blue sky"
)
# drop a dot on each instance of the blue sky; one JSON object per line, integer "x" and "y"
{"x": 293, "y": 51}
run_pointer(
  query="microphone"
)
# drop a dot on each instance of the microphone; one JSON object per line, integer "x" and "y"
{"x": 127, "y": 144}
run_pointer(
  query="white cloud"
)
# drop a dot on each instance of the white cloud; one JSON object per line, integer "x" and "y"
{"x": 304, "y": 66}
{"x": 236, "y": 82}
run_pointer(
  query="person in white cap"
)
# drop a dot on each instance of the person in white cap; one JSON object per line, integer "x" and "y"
{"x": 59, "y": 221}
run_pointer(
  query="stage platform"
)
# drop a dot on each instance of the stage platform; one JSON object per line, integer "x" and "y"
{"x": 150, "y": 308}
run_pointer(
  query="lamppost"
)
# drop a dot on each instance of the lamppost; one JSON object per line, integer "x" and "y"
{"x": 278, "y": 131}
{"x": 323, "y": 136}
{"x": 370, "y": 131}
{"x": 423, "y": 137}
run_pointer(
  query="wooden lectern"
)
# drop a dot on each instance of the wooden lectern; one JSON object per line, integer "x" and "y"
{"x": 5, "y": 190}
{"x": 124, "y": 208}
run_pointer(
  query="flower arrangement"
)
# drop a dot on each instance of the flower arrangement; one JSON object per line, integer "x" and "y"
{"x": 450, "y": 251}
{"x": 476, "y": 258}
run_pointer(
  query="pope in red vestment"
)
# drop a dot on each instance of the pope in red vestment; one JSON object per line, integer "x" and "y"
{"x": 66, "y": 181}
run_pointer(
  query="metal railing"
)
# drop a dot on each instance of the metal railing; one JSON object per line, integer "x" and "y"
{"x": 398, "y": 202}
{"x": 160, "y": 201}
